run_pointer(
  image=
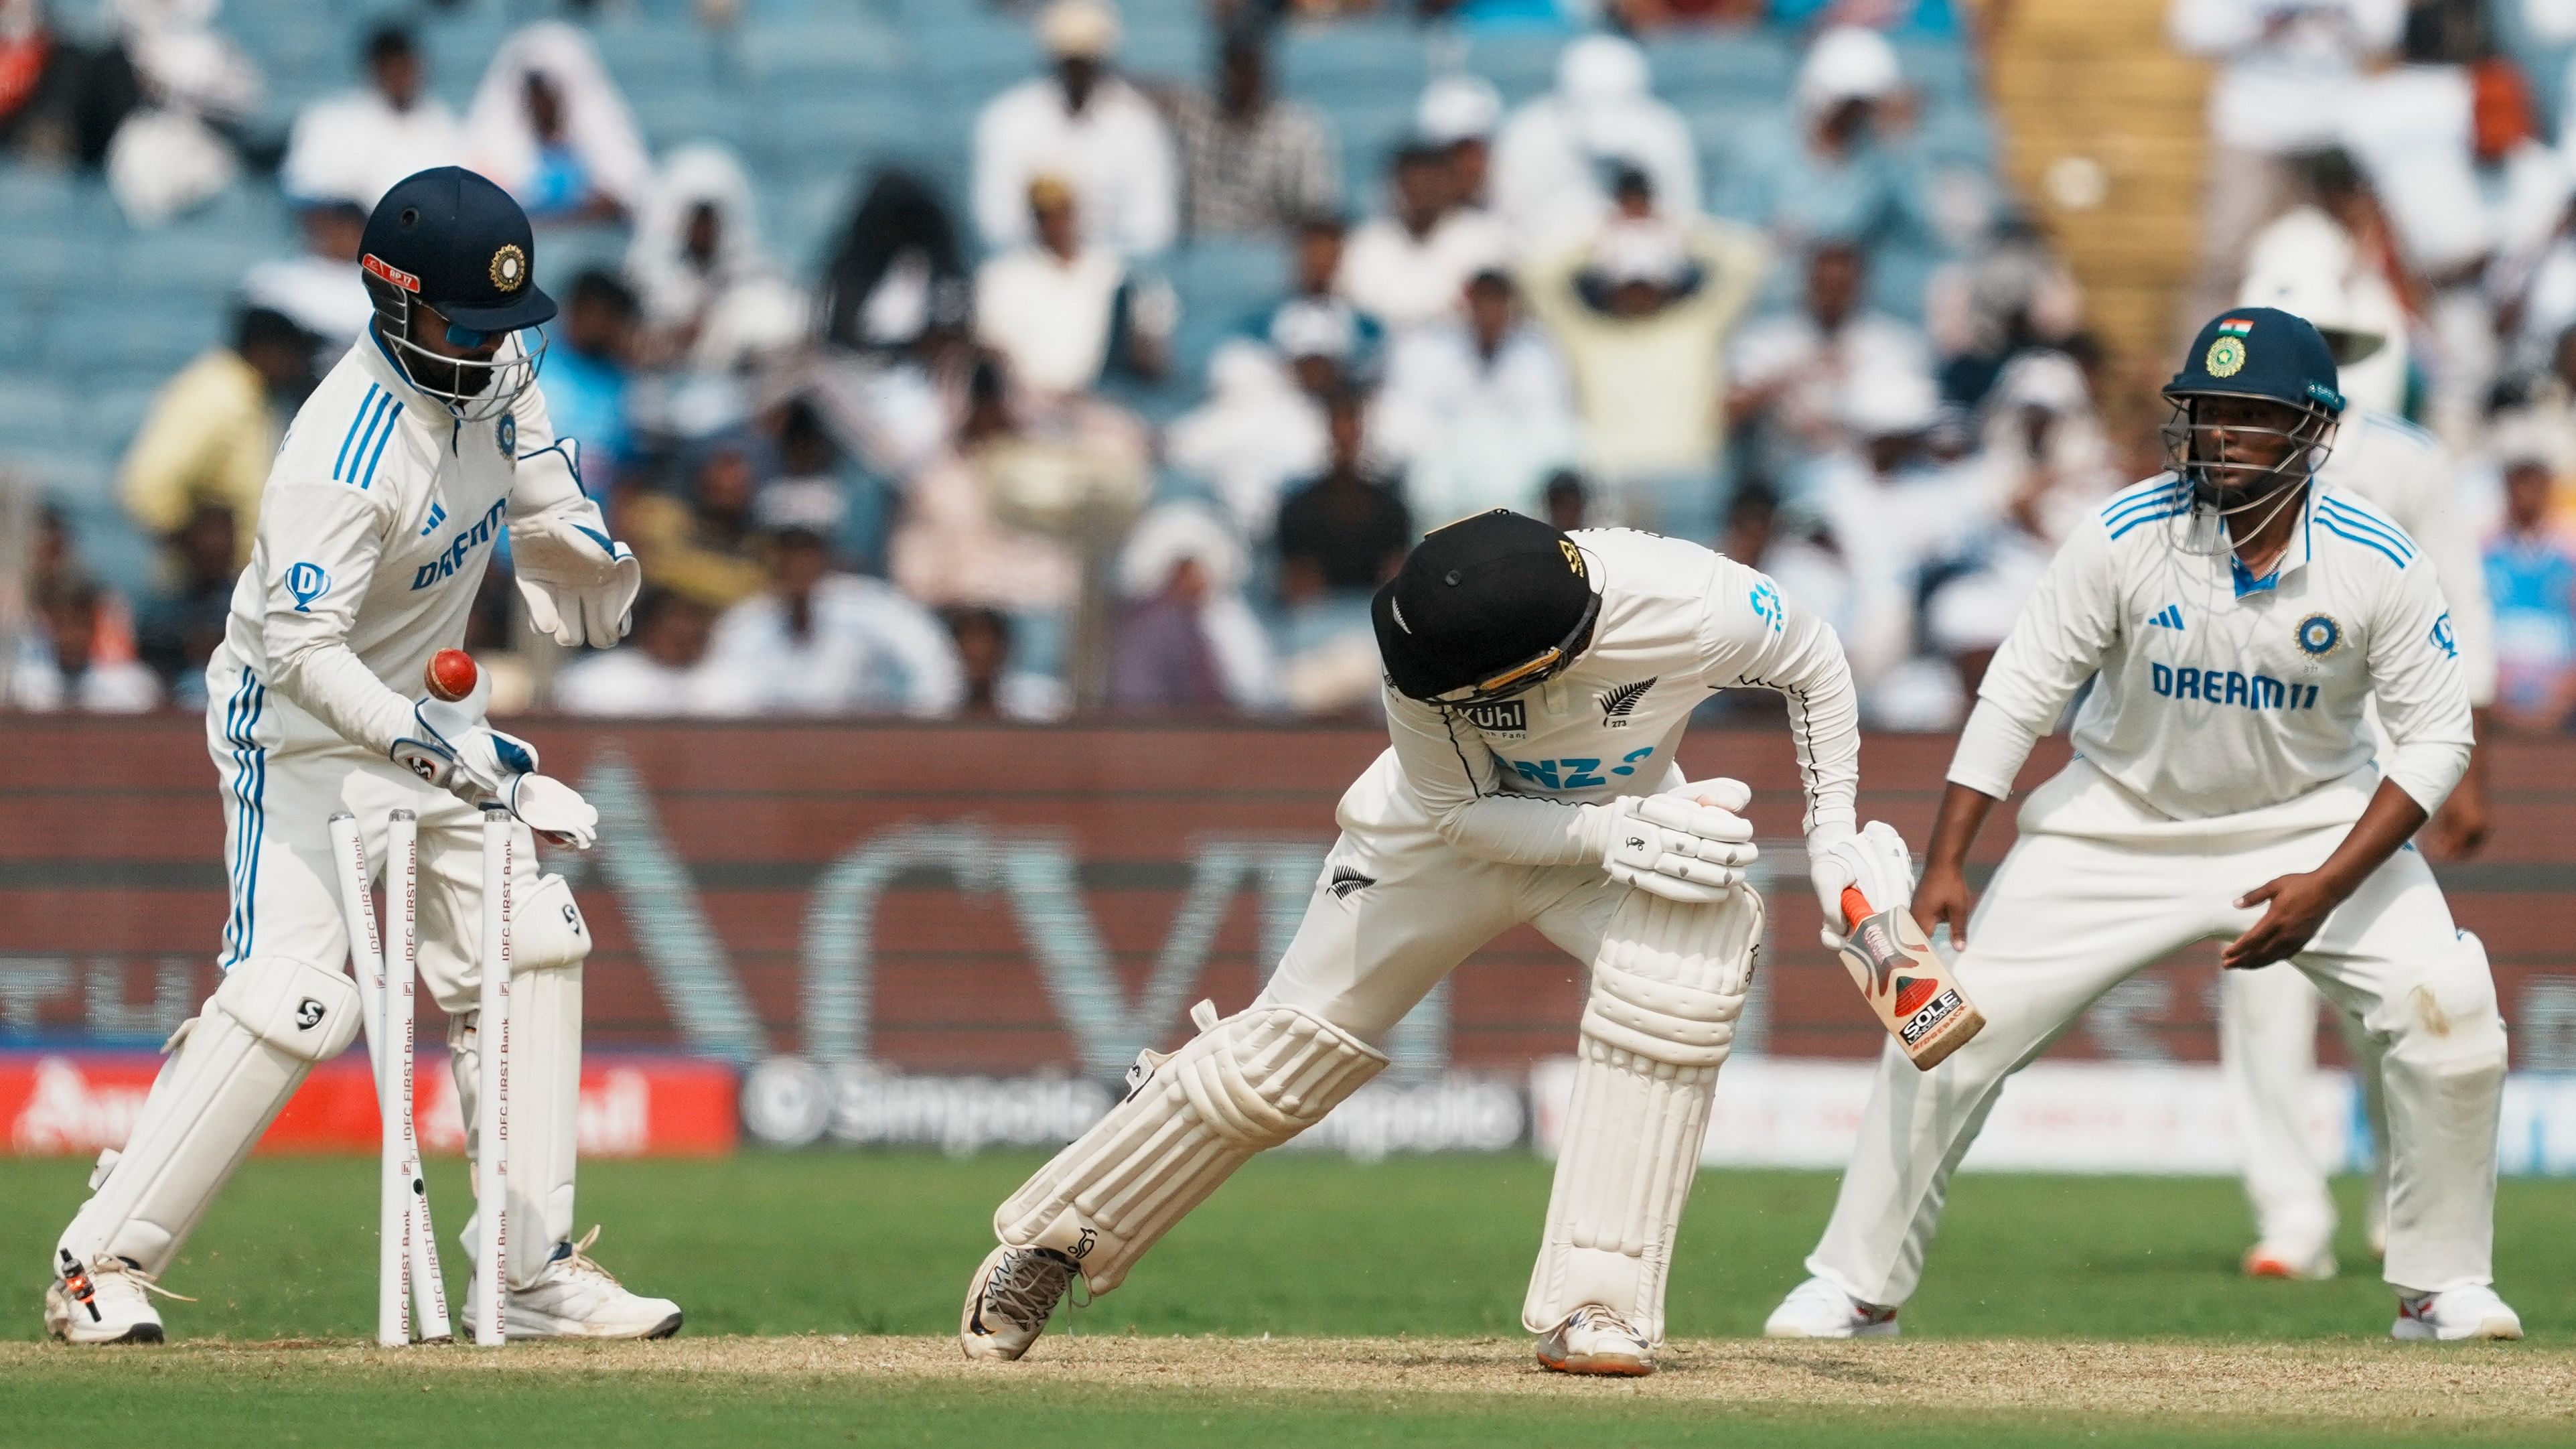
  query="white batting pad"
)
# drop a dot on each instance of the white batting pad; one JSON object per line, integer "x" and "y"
{"x": 231, "y": 1069}
{"x": 545, "y": 1108}
{"x": 1666, "y": 992}
{"x": 1248, "y": 1082}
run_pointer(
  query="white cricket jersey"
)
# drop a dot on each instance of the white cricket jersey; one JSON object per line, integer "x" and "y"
{"x": 378, "y": 519}
{"x": 1512, "y": 780}
{"x": 2215, "y": 693}
{"x": 2407, "y": 474}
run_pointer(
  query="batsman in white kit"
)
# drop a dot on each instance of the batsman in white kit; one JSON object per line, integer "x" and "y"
{"x": 1538, "y": 684}
{"x": 388, "y": 496}
{"x": 2234, "y": 617}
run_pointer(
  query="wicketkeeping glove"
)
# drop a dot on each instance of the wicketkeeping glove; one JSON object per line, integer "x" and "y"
{"x": 1874, "y": 859}
{"x": 452, "y": 747}
{"x": 1684, "y": 845}
{"x": 580, "y": 584}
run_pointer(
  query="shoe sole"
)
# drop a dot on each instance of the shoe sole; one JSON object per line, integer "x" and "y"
{"x": 1870, "y": 1330}
{"x": 2493, "y": 1330}
{"x": 2265, "y": 1265}
{"x": 663, "y": 1329}
{"x": 1598, "y": 1365}
{"x": 139, "y": 1333}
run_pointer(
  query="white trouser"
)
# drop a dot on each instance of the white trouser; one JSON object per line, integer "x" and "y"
{"x": 2067, "y": 918}
{"x": 283, "y": 776}
{"x": 1366, "y": 953}
{"x": 2267, "y": 1049}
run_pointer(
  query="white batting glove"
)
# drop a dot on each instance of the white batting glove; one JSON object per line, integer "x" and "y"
{"x": 1874, "y": 859}
{"x": 1684, "y": 845}
{"x": 451, "y": 747}
{"x": 580, "y": 584}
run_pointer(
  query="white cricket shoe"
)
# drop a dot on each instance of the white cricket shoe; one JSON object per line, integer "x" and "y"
{"x": 1010, "y": 1300}
{"x": 1818, "y": 1309}
{"x": 1596, "y": 1340}
{"x": 2267, "y": 1260}
{"x": 574, "y": 1297}
{"x": 109, "y": 1301}
{"x": 2454, "y": 1314}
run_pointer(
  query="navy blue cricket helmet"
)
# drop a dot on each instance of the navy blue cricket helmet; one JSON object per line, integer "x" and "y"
{"x": 2236, "y": 463}
{"x": 2260, "y": 352}
{"x": 452, "y": 242}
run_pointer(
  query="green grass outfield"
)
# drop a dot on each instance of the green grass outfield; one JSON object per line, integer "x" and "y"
{"x": 832, "y": 1245}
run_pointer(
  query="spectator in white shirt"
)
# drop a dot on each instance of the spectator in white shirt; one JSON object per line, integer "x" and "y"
{"x": 1062, "y": 309}
{"x": 1412, "y": 266}
{"x": 1788, "y": 369}
{"x": 662, "y": 672}
{"x": 318, "y": 289}
{"x": 1257, "y": 432}
{"x": 550, "y": 126}
{"x": 1459, "y": 112}
{"x": 1478, "y": 408}
{"x": 1896, "y": 509}
{"x": 820, "y": 642}
{"x": 1083, "y": 123}
{"x": 2286, "y": 68}
{"x": 1549, "y": 162}
{"x": 354, "y": 147}
{"x": 711, "y": 296}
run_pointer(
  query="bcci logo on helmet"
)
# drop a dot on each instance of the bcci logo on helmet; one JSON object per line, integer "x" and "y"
{"x": 509, "y": 268}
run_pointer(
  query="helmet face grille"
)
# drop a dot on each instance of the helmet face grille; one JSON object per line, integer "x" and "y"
{"x": 2224, "y": 464}
{"x": 474, "y": 390}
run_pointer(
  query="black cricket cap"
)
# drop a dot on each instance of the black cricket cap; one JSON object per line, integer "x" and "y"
{"x": 454, "y": 240}
{"x": 1480, "y": 597}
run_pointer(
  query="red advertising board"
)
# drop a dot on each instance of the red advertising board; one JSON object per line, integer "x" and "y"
{"x": 1014, "y": 902}
{"x": 77, "y": 1102}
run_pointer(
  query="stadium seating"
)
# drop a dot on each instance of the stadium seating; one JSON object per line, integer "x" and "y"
{"x": 814, "y": 94}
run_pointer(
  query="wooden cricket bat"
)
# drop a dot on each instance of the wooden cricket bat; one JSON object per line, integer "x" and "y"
{"x": 1906, "y": 981}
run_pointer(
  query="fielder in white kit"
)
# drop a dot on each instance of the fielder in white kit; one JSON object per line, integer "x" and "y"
{"x": 2267, "y": 1019}
{"x": 389, "y": 494}
{"x": 1538, "y": 684}
{"x": 2234, "y": 619}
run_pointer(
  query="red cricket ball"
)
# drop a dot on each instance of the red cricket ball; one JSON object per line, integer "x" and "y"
{"x": 450, "y": 675}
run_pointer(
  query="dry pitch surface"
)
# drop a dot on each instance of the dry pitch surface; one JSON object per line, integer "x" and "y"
{"x": 2374, "y": 1382}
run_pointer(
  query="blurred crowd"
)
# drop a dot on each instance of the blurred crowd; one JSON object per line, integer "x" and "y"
{"x": 2389, "y": 168}
{"x": 959, "y": 466}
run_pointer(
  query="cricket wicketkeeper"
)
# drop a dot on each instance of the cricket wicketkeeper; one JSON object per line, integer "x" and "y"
{"x": 1538, "y": 685}
{"x": 390, "y": 493}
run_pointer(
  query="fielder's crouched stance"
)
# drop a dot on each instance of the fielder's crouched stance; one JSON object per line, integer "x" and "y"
{"x": 385, "y": 503}
{"x": 1539, "y": 684}
{"x": 2234, "y": 618}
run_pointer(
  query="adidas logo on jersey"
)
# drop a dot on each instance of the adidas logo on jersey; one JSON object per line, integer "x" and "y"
{"x": 437, "y": 516}
{"x": 2168, "y": 617}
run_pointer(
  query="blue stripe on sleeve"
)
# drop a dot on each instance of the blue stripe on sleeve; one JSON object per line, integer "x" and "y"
{"x": 351, "y": 437}
{"x": 2363, "y": 521}
{"x": 2136, "y": 520}
{"x": 373, "y": 458}
{"x": 2337, "y": 528}
{"x": 2143, "y": 502}
{"x": 384, "y": 404}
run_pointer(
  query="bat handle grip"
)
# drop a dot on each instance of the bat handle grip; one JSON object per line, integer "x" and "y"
{"x": 1855, "y": 906}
